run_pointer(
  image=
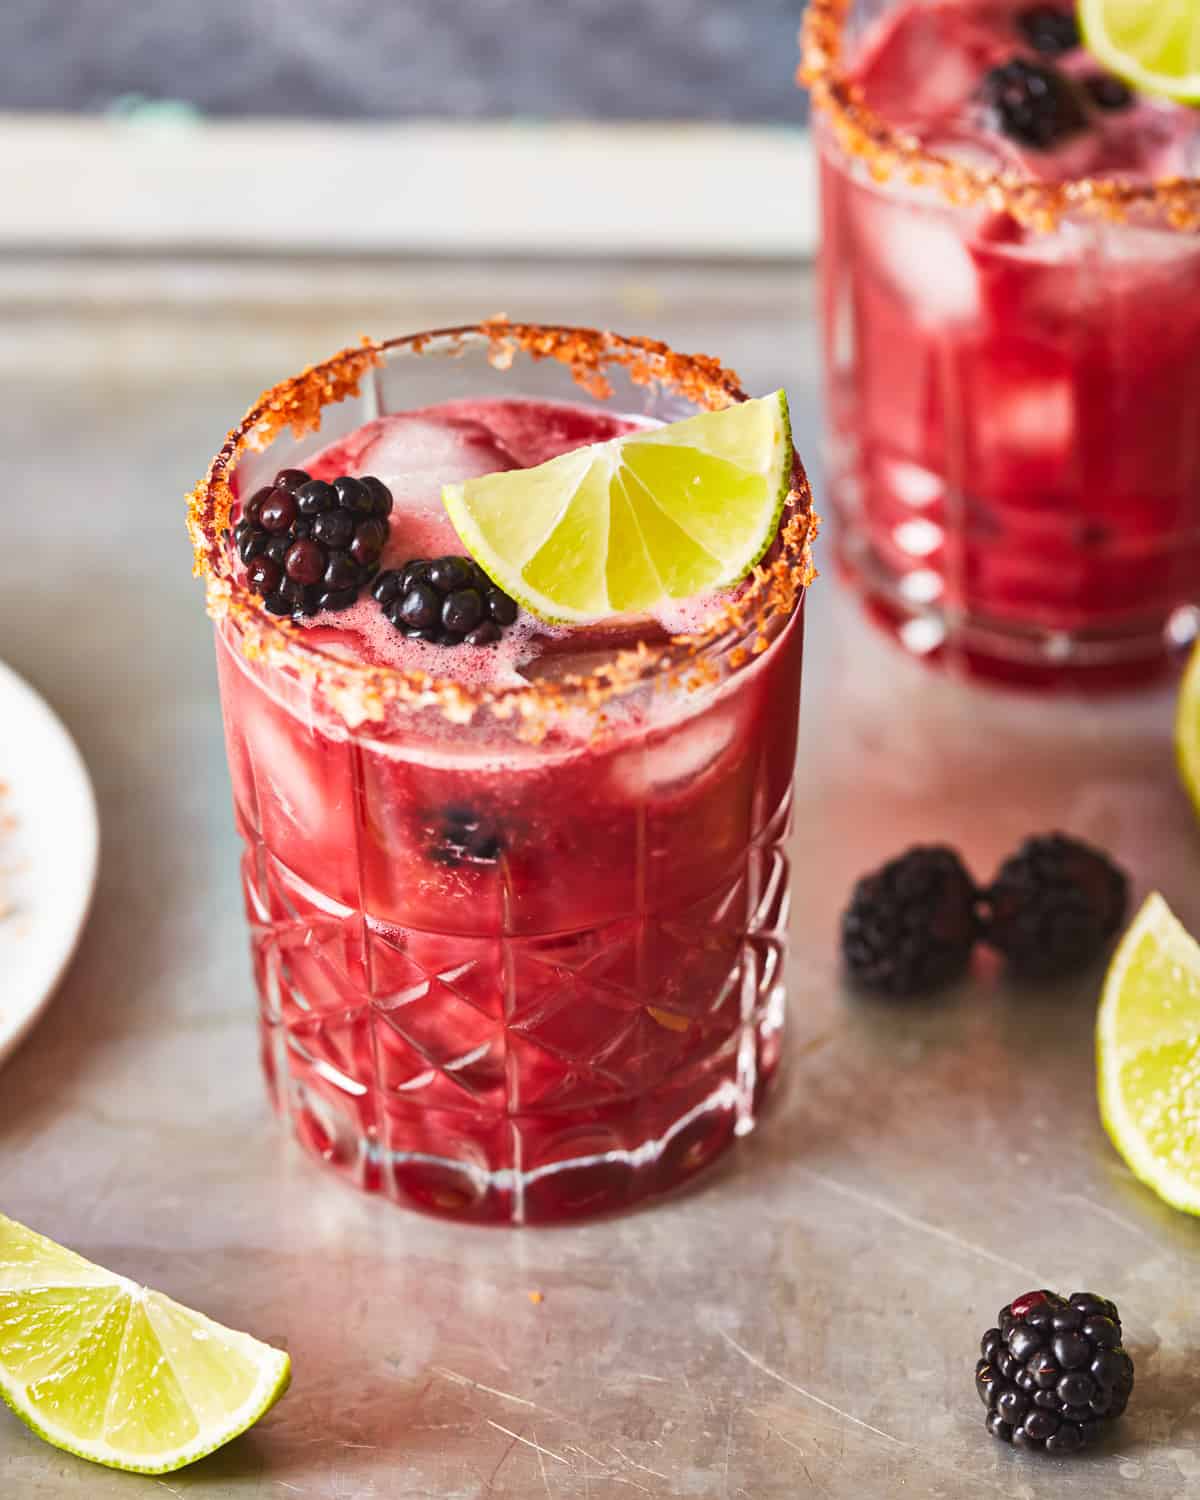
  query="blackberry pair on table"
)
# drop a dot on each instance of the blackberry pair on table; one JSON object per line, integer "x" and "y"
{"x": 1052, "y": 906}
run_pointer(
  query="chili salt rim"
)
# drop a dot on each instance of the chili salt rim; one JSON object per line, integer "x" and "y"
{"x": 888, "y": 151}
{"x": 362, "y": 692}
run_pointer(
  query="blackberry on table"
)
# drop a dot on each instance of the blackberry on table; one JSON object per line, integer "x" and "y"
{"x": 1033, "y": 103}
{"x": 911, "y": 925}
{"x": 1052, "y": 1373}
{"x": 1049, "y": 29}
{"x": 1053, "y": 906}
{"x": 309, "y": 545}
{"x": 447, "y": 601}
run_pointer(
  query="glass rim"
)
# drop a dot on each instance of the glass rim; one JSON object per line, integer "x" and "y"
{"x": 362, "y": 692}
{"x": 889, "y": 151}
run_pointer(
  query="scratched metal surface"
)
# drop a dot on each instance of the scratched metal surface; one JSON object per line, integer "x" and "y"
{"x": 801, "y": 1323}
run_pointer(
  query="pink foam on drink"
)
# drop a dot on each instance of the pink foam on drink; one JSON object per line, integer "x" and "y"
{"x": 415, "y": 453}
{"x": 920, "y": 67}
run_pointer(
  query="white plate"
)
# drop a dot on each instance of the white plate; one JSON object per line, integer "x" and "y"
{"x": 49, "y": 850}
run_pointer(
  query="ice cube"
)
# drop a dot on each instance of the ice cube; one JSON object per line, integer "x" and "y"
{"x": 920, "y": 63}
{"x": 285, "y": 779}
{"x": 922, "y": 252}
{"x": 677, "y": 758}
{"x": 1030, "y": 414}
{"x": 415, "y": 456}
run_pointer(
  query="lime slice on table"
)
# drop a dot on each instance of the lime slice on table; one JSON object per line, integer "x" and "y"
{"x": 1187, "y": 728}
{"x": 119, "y": 1374}
{"x": 661, "y": 513}
{"x": 1152, "y": 44}
{"x": 1148, "y": 1054}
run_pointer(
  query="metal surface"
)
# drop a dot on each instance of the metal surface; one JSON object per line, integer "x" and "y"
{"x": 804, "y": 1321}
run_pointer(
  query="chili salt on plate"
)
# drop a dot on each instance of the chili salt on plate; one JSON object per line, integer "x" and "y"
{"x": 49, "y": 851}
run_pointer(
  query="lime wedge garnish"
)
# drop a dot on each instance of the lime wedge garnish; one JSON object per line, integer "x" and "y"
{"x": 1152, "y": 44}
{"x": 1187, "y": 729}
{"x": 114, "y": 1372}
{"x": 1148, "y": 1054}
{"x": 619, "y": 527}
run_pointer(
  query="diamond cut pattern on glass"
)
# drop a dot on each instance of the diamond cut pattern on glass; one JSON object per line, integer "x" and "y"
{"x": 444, "y": 1069}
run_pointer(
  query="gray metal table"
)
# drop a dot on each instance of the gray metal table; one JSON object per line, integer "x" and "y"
{"x": 802, "y": 1322}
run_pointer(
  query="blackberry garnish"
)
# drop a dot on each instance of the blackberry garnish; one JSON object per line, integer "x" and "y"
{"x": 1033, "y": 103}
{"x": 1107, "y": 92}
{"x": 1053, "y": 906}
{"x": 308, "y": 545}
{"x": 1049, "y": 30}
{"x": 291, "y": 479}
{"x": 911, "y": 925}
{"x": 1053, "y": 1373}
{"x": 447, "y": 601}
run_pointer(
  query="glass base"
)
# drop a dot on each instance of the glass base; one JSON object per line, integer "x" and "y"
{"x": 578, "y": 1187}
{"x": 523, "y": 1079}
{"x": 1114, "y": 657}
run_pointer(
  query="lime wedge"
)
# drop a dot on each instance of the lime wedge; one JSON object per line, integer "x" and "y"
{"x": 619, "y": 527}
{"x": 1154, "y": 46}
{"x": 1187, "y": 729}
{"x": 114, "y": 1372}
{"x": 1148, "y": 1054}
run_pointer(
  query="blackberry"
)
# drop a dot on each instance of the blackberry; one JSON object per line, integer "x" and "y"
{"x": 462, "y": 835}
{"x": 1052, "y": 1373}
{"x": 1107, "y": 92}
{"x": 1049, "y": 30}
{"x": 1053, "y": 906}
{"x": 1033, "y": 103}
{"x": 911, "y": 925}
{"x": 447, "y": 601}
{"x": 308, "y": 545}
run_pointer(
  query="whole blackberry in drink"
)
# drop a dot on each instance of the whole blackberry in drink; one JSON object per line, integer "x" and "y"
{"x": 1011, "y": 290}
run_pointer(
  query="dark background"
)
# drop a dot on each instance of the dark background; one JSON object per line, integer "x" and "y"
{"x": 396, "y": 59}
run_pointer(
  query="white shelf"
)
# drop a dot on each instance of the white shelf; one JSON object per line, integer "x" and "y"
{"x": 683, "y": 191}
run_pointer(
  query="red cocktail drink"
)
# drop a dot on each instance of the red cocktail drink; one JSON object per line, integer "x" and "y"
{"x": 517, "y": 909}
{"x": 1011, "y": 282}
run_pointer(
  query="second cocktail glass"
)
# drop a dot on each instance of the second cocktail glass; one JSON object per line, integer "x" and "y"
{"x": 519, "y": 951}
{"x": 1012, "y": 360}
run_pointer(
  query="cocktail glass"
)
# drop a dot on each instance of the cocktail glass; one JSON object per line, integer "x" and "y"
{"x": 585, "y": 1008}
{"x": 1013, "y": 394}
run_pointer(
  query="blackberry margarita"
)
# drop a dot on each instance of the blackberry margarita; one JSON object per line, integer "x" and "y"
{"x": 517, "y": 906}
{"x": 1012, "y": 324}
